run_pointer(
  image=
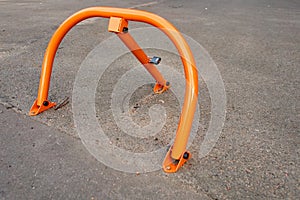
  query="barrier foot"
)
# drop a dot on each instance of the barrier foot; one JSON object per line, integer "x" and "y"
{"x": 171, "y": 165}
{"x": 159, "y": 89}
{"x": 36, "y": 109}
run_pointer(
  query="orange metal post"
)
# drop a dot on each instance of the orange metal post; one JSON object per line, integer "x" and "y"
{"x": 120, "y": 27}
{"x": 141, "y": 56}
{"x": 144, "y": 59}
{"x": 177, "y": 155}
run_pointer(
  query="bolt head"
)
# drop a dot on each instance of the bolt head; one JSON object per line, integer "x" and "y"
{"x": 125, "y": 29}
{"x": 45, "y": 103}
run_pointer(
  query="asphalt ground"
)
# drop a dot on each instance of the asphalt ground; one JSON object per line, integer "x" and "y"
{"x": 256, "y": 47}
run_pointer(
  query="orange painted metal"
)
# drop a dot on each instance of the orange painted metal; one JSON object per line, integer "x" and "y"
{"x": 170, "y": 165}
{"x": 141, "y": 56}
{"x": 177, "y": 151}
{"x": 117, "y": 24}
{"x": 159, "y": 88}
{"x": 120, "y": 27}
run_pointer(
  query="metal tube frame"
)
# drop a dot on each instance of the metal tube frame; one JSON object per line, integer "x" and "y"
{"x": 177, "y": 154}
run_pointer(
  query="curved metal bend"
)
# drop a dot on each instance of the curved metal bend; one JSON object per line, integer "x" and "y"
{"x": 176, "y": 153}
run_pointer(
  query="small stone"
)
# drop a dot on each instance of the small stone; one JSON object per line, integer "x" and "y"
{"x": 9, "y": 106}
{"x": 161, "y": 101}
{"x": 228, "y": 187}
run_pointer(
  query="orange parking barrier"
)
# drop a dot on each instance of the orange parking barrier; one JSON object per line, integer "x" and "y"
{"x": 119, "y": 17}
